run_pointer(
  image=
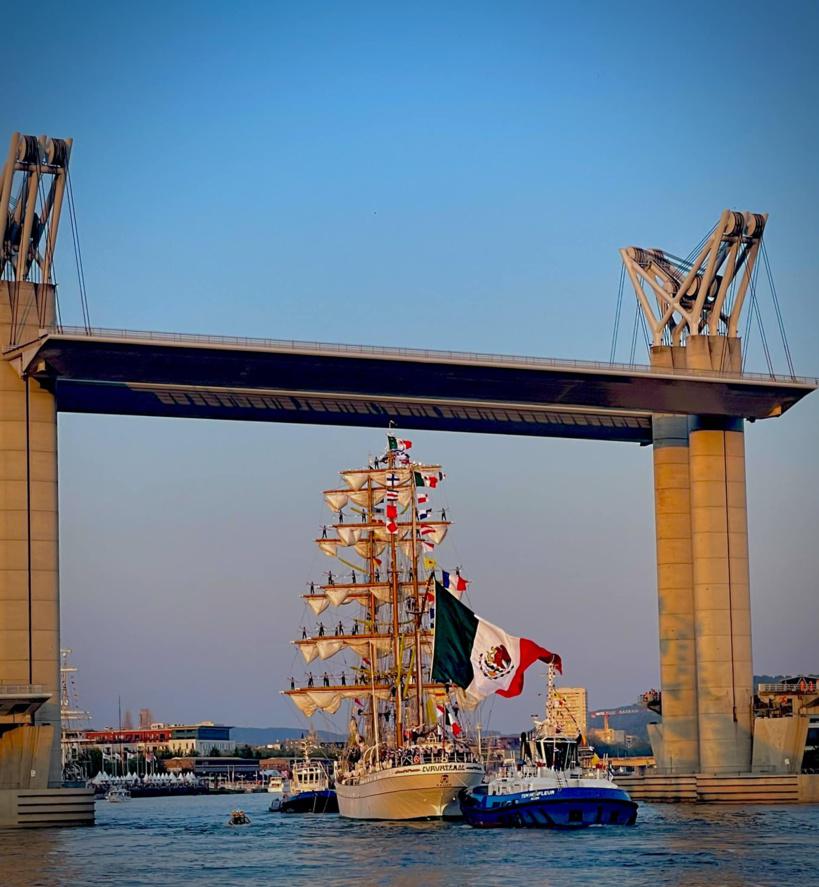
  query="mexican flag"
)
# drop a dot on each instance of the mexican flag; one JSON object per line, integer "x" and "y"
{"x": 477, "y": 656}
{"x": 423, "y": 479}
{"x": 395, "y": 443}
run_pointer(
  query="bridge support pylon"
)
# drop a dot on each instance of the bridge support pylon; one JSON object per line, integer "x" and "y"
{"x": 692, "y": 309}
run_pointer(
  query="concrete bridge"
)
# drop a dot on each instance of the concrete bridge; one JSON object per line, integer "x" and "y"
{"x": 690, "y": 402}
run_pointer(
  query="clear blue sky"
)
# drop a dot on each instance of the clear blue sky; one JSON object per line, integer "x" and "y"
{"x": 444, "y": 175}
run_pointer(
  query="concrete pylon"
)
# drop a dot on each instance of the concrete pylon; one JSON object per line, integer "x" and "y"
{"x": 702, "y": 578}
{"x": 719, "y": 536}
{"x": 676, "y": 740}
{"x": 29, "y": 589}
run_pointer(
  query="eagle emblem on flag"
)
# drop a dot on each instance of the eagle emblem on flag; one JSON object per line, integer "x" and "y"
{"x": 496, "y": 662}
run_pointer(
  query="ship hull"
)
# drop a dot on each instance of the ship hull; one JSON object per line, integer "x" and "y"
{"x": 310, "y": 802}
{"x": 420, "y": 791}
{"x": 566, "y": 808}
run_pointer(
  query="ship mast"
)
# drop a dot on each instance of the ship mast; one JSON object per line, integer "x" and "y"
{"x": 396, "y": 636}
{"x": 372, "y": 612}
{"x": 419, "y": 670}
{"x": 401, "y": 641}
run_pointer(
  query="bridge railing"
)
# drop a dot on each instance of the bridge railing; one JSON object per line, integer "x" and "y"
{"x": 809, "y": 688}
{"x": 22, "y": 689}
{"x": 420, "y": 353}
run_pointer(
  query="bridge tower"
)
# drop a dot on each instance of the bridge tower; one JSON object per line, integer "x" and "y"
{"x": 32, "y": 187}
{"x": 692, "y": 308}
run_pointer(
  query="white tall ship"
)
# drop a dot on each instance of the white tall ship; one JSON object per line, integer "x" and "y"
{"x": 406, "y": 757}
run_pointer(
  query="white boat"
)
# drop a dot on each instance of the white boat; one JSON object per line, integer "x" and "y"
{"x": 277, "y": 787}
{"x": 117, "y": 794}
{"x": 426, "y": 787}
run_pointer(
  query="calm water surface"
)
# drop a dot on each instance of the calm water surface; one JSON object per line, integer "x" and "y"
{"x": 170, "y": 841}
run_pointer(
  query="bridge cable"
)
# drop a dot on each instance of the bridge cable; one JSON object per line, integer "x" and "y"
{"x": 778, "y": 310}
{"x": 634, "y": 334}
{"x": 644, "y": 325}
{"x": 689, "y": 259}
{"x": 748, "y": 327}
{"x": 72, "y": 213}
{"x": 755, "y": 312}
{"x": 617, "y": 313}
{"x": 53, "y": 266}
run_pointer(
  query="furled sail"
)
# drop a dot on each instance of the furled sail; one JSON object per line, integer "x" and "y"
{"x": 362, "y": 497}
{"x": 336, "y": 499}
{"x": 349, "y": 535}
{"x": 318, "y": 602}
{"x": 355, "y": 479}
{"x": 362, "y": 645}
{"x": 362, "y": 547}
{"x": 338, "y": 595}
{"x": 309, "y": 651}
{"x": 329, "y": 546}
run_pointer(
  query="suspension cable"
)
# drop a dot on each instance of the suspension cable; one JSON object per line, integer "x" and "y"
{"x": 634, "y": 334}
{"x": 53, "y": 266}
{"x": 644, "y": 325}
{"x": 72, "y": 213}
{"x": 778, "y": 311}
{"x": 755, "y": 312}
{"x": 616, "y": 329}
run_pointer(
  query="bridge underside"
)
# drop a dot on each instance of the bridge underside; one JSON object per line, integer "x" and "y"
{"x": 292, "y": 382}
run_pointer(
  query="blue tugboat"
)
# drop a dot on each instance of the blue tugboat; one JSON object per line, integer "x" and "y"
{"x": 310, "y": 787}
{"x": 558, "y": 783}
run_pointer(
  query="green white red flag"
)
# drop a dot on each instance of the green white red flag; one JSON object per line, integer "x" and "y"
{"x": 425, "y": 479}
{"x": 395, "y": 443}
{"x": 478, "y": 656}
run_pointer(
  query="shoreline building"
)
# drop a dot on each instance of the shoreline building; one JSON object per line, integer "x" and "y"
{"x": 570, "y": 710}
{"x": 178, "y": 739}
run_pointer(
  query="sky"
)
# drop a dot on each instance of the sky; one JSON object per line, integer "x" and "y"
{"x": 453, "y": 176}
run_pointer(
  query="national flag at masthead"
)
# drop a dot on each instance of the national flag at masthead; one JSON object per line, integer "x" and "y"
{"x": 395, "y": 443}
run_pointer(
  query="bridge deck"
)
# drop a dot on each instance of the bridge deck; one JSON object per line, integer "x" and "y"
{"x": 156, "y": 374}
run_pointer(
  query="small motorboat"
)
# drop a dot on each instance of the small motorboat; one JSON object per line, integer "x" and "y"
{"x": 117, "y": 794}
{"x": 278, "y": 788}
{"x": 238, "y": 817}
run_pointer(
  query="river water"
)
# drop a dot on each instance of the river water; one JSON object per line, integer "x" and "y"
{"x": 184, "y": 841}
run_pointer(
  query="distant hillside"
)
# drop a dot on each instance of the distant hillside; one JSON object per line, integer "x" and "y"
{"x": 268, "y": 735}
{"x": 632, "y": 720}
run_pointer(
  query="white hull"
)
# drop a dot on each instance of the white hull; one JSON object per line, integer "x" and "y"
{"x": 418, "y": 791}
